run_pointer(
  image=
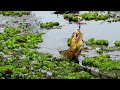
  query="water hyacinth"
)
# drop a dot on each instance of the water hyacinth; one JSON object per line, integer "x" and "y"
{"x": 49, "y": 25}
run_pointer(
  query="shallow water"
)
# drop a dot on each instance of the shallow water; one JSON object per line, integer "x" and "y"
{"x": 56, "y": 39}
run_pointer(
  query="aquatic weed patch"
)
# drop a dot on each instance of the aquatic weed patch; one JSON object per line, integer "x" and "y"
{"x": 110, "y": 49}
{"x": 92, "y": 41}
{"x": 94, "y": 16}
{"x": 11, "y": 31}
{"x": 85, "y": 16}
{"x": 105, "y": 64}
{"x": 14, "y": 13}
{"x": 117, "y": 43}
{"x": 49, "y": 25}
{"x": 12, "y": 38}
{"x": 34, "y": 63}
{"x": 25, "y": 40}
{"x": 25, "y": 63}
{"x": 71, "y": 17}
{"x": 29, "y": 68}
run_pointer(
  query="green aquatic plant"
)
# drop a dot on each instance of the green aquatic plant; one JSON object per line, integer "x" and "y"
{"x": 102, "y": 42}
{"x": 3, "y": 36}
{"x": 100, "y": 51}
{"x": 117, "y": 43}
{"x": 79, "y": 75}
{"x": 92, "y": 41}
{"x": 102, "y": 62}
{"x": 94, "y": 16}
{"x": 71, "y": 17}
{"x": 49, "y": 25}
{"x": 113, "y": 48}
{"x": 21, "y": 62}
{"x": 13, "y": 13}
{"x": 11, "y": 31}
{"x": 7, "y": 51}
{"x": 86, "y": 16}
{"x": 29, "y": 67}
{"x": 105, "y": 65}
{"x": 25, "y": 40}
{"x": 24, "y": 28}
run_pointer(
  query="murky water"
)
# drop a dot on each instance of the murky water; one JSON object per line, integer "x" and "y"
{"x": 56, "y": 39}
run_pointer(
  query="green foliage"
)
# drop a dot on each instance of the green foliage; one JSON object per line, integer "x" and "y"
{"x": 86, "y": 16}
{"x": 102, "y": 62}
{"x": 26, "y": 40}
{"x": 71, "y": 17}
{"x": 49, "y": 25}
{"x": 105, "y": 65}
{"x": 13, "y": 13}
{"x": 92, "y": 41}
{"x": 100, "y": 51}
{"x": 79, "y": 75}
{"x": 114, "y": 48}
{"x": 11, "y": 31}
{"x": 94, "y": 16}
{"x": 102, "y": 42}
{"x": 25, "y": 63}
{"x": 3, "y": 36}
{"x": 117, "y": 43}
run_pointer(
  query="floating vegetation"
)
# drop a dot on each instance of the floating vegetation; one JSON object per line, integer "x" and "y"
{"x": 117, "y": 43}
{"x": 86, "y": 16}
{"x": 71, "y": 17}
{"x": 49, "y": 25}
{"x": 100, "y": 51}
{"x": 19, "y": 59}
{"x": 35, "y": 63}
{"x": 92, "y": 41}
{"x": 11, "y": 31}
{"x": 14, "y": 13}
{"x": 94, "y": 16}
{"x": 104, "y": 63}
